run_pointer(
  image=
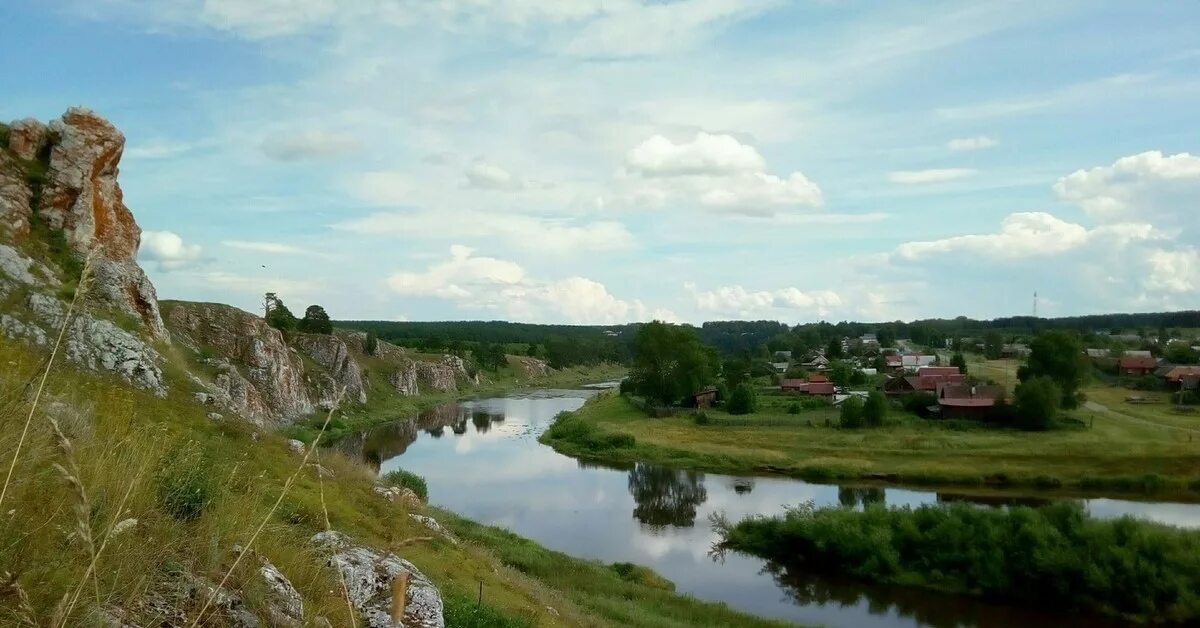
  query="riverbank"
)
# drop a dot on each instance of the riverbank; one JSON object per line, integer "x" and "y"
{"x": 1105, "y": 453}
{"x": 619, "y": 594}
{"x": 1055, "y": 558}
{"x": 387, "y": 406}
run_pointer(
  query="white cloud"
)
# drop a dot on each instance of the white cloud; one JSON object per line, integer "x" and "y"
{"x": 156, "y": 149}
{"x": 488, "y": 176}
{"x": 312, "y": 144}
{"x": 1029, "y": 234}
{"x": 977, "y": 142}
{"x": 275, "y": 248}
{"x": 935, "y": 175}
{"x": 649, "y": 27}
{"x": 296, "y": 289}
{"x": 544, "y": 235}
{"x": 738, "y": 301}
{"x": 476, "y": 282}
{"x": 1175, "y": 272}
{"x": 706, "y": 154}
{"x": 716, "y": 172}
{"x": 1148, "y": 185}
{"x": 260, "y": 19}
{"x": 168, "y": 250}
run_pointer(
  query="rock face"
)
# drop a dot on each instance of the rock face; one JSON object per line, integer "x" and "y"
{"x": 342, "y": 371}
{"x": 530, "y": 367}
{"x": 370, "y": 577}
{"x": 15, "y": 197}
{"x": 260, "y": 377}
{"x": 81, "y": 197}
{"x": 26, "y": 138}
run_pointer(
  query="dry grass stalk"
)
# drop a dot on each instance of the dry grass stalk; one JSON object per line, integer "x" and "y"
{"x": 24, "y": 611}
{"x": 82, "y": 505}
{"x": 271, "y": 513}
{"x": 399, "y": 597}
{"x": 37, "y": 397}
{"x": 329, "y": 528}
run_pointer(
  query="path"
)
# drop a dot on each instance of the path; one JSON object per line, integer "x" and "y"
{"x": 1097, "y": 407}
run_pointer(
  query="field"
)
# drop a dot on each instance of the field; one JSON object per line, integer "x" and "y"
{"x": 1107, "y": 450}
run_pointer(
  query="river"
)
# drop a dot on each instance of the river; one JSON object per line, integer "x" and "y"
{"x": 482, "y": 460}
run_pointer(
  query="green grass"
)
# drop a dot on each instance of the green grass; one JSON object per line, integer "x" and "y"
{"x": 619, "y": 594}
{"x": 1113, "y": 454}
{"x": 196, "y": 488}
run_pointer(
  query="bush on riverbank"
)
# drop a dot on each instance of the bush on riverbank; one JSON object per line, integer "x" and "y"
{"x": 1054, "y": 557}
{"x": 407, "y": 479}
{"x": 569, "y": 428}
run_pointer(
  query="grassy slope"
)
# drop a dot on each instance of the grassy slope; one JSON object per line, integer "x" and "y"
{"x": 638, "y": 599}
{"x": 123, "y": 441}
{"x": 1114, "y": 453}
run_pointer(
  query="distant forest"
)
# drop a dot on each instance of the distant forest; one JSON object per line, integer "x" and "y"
{"x": 564, "y": 345}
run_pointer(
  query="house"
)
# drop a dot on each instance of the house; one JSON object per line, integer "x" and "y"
{"x": 818, "y": 363}
{"x": 869, "y": 372}
{"x": 894, "y": 362}
{"x": 1137, "y": 366}
{"x": 869, "y": 339}
{"x": 962, "y": 401}
{"x": 783, "y": 356}
{"x": 1134, "y": 353}
{"x": 1184, "y": 377}
{"x": 927, "y": 379}
{"x": 703, "y": 398}
{"x": 780, "y": 367}
{"x": 1097, "y": 354}
{"x": 914, "y": 361}
{"x": 1015, "y": 350}
{"x": 811, "y": 387}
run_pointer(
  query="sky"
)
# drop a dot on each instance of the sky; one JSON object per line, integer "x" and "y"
{"x": 608, "y": 161}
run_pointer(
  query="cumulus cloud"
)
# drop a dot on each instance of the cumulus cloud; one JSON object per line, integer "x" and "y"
{"x": 705, "y": 154}
{"x": 1027, "y": 234}
{"x": 935, "y": 175}
{"x": 716, "y": 172}
{"x": 978, "y": 142}
{"x": 480, "y": 282}
{"x": 312, "y": 144}
{"x": 1176, "y": 272}
{"x": 1148, "y": 185}
{"x": 261, "y": 19}
{"x": 168, "y": 250}
{"x": 738, "y": 301}
{"x": 488, "y": 176}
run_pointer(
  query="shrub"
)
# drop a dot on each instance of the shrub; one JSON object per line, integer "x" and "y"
{"x": 644, "y": 576}
{"x": 185, "y": 484}
{"x": 852, "y": 413}
{"x": 793, "y": 408}
{"x": 407, "y": 479}
{"x": 917, "y": 402}
{"x": 1037, "y": 403}
{"x": 1054, "y": 557}
{"x": 743, "y": 400}
{"x": 569, "y": 428}
{"x": 875, "y": 409}
{"x": 701, "y": 418}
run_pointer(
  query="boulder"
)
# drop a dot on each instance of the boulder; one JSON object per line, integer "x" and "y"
{"x": 371, "y": 577}
{"x": 284, "y": 602}
{"x": 404, "y": 380}
{"x": 16, "y": 197}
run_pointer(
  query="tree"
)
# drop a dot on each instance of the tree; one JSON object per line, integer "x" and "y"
{"x": 315, "y": 321}
{"x": 886, "y": 337}
{"x": 1180, "y": 353}
{"x": 993, "y": 345}
{"x": 669, "y": 363}
{"x": 833, "y": 349}
{"x": 743, "y": 400}
{"x": 840, "y": 373}
{"x": 277, "y": 314}
{"x": 1037, "y": 400}
{"x": 371, "y": 344}
{"x": 490, "y": 355}
{"x": 852, "y": 413}
{"x": 959, "y": 362}
{"x": 875, "y": 409}
{"x": 879, "y": 363}
{"x": 1058, "y": 355}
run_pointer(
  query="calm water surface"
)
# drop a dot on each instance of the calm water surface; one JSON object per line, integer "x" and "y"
{"x": 482, "y": 460}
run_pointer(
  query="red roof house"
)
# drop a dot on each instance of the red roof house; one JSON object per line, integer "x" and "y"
{"x": 812, "y": 387}
{"x": 1137, "y": 366}
{"x": 967, "y": 402}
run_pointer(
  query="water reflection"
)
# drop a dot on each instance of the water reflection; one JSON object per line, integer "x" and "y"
{"x": 489, "y": 466}
{"x": 853, "y": 497}
{"x": 665, "y": 496}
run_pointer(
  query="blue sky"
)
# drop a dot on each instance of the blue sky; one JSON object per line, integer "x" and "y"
{"x": 601, "y": 161}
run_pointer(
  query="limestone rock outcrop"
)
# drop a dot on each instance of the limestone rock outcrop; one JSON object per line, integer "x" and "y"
{"x": 370, "y": 577}
{"x": 16, "y": 197}
{"x": 81, "y": 197}
{"x": 260, "y": 377}
{"x": 342, "y": 372}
